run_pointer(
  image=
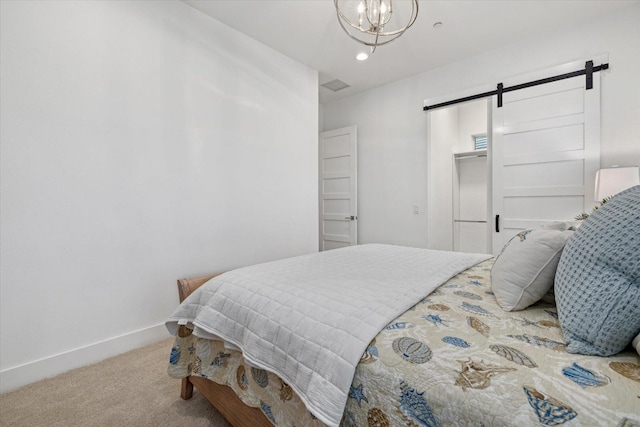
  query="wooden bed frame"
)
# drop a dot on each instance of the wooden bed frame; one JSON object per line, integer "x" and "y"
{"x": 222, "y": 397}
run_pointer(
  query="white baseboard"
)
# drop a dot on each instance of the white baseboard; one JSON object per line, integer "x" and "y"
{"x": 27, "y": 373}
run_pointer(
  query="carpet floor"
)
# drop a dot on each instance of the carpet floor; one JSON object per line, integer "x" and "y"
{"x": 131, "y": 389}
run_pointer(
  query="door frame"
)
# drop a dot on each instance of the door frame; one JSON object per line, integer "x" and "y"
{"x": 432, "y": 203}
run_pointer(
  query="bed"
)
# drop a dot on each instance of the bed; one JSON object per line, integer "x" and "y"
{"x": 452, "y": 357}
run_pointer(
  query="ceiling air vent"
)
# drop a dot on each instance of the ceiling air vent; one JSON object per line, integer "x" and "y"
{"x": 335, "y": 85}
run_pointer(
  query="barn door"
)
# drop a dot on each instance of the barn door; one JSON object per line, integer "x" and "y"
{"x": 545, "y": 151}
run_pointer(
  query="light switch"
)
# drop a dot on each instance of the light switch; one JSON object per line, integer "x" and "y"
{"x": 416, "y": 209}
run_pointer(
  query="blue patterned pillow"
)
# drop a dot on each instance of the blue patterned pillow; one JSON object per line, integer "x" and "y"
{"x": 597, "y": 283}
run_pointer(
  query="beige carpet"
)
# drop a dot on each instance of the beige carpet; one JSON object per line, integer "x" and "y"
{"x": 132, "y": 389}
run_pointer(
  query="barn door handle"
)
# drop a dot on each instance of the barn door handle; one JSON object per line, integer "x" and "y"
{"x": 497, "y": 223}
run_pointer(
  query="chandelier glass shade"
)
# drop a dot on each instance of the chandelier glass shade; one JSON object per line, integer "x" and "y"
{"x": 370, "y": 21}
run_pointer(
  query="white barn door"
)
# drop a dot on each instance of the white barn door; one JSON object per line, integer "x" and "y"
{"x": 544, "y": 154}
{"x": 338, "y": 188}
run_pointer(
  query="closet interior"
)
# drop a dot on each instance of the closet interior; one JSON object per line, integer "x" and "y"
{"x": 459, "y": 178}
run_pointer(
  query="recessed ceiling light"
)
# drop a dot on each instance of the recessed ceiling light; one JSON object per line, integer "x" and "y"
{"x": 362, "y": 56}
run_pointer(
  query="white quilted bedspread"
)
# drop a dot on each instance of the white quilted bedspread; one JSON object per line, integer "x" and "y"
{"x": 309, "y": 319}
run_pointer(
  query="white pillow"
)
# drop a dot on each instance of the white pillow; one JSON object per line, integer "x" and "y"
{"x": 636, "y": 343}
{"x": 562, "y": 226}
{"x": 525, "y": 269}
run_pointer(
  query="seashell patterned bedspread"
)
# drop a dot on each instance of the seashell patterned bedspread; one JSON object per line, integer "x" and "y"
{"x": 455, "y": 358}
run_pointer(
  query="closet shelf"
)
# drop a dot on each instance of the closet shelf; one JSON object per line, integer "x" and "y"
{"x": 470, "y": 154}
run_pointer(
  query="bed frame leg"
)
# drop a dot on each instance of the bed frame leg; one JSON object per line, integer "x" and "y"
{"x": 186, "y": 390}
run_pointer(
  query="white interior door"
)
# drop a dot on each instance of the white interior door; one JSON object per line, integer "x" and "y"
{"x": 544, "y": 153}
{"x": 338, "y": 188}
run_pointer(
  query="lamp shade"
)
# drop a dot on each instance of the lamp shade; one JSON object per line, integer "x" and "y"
{"x": 611, "y": 181}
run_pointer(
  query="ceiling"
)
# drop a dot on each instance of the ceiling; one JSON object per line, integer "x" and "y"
{"x": 308, "y": 31}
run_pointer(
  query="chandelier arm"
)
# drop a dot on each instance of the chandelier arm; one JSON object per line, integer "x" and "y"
{"x": 366, "y": 43}
{"x": 344, "y": 17}
{"x": 351, "y": 35}
{"x": 377, "y": 42}
{"x": 412, "y": 20}
{"x": 378, "y": 23}
{"x": 366, "y": 12}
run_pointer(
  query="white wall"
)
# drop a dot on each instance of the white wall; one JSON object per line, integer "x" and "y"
{"x": 391, "y": 161}
{"x": 392, "y": 141}
{"x": 472, "y": 120}
{"x": 141, "y": 142}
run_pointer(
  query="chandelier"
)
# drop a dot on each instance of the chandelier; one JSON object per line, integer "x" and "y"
{"x": 367, "y": 21}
